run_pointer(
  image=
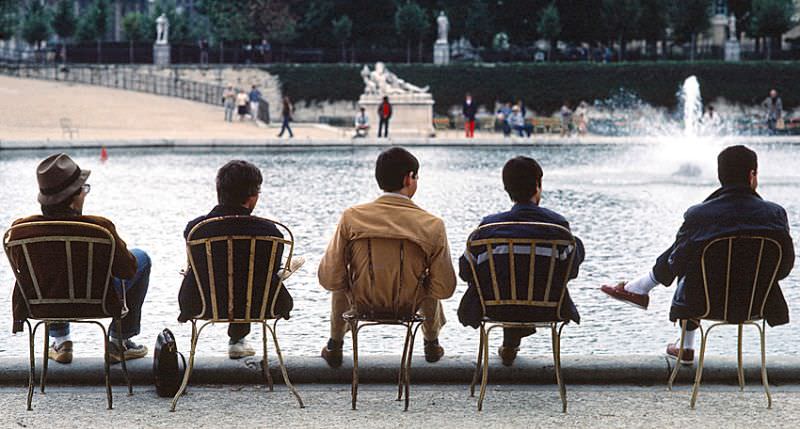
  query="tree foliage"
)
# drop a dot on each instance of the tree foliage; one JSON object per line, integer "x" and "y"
{"x": 272, "y": 19}
{"x": 64, "y": 21}
{"x": 8, "y": 18}
{"x": 36, "y": 25}
{"x": 478, "y": 25}
{"x": 771, "y": 18}
{"x": 135, "y": 27}
{"x": 689, "y": 18}
{"x": 410, "y": 22}
{"x": 549, "y": 26}
{"x": 94, "y": 23}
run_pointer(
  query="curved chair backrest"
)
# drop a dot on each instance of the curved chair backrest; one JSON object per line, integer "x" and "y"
{"x": 407, "y": 260}
{"x": 237, "y": 271}
{"x": 537, "y": 269}
{"x": 738, "y": 274}
{"x": 41, "y": 252}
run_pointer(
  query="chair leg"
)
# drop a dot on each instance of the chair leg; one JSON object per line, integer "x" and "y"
{"x": 408, "y": 365}
{"x": 124, "y": 360}
{"x": 188, "y": 373}
{"x": 354, "y": 387}
{"x": 265, "y": 361}
{"x": 699, "y": 373}
{"x": 401, "y": 375}
{"x": 562, "y": 389}
{"x": 31, "y": 374}
{"x": 762, "y": 331}
{"x": 107, "y": 368}
{"x": 478, "y": 366}
{"x": 740, "y": 368}
{"x": 680, "y": 356}
{"x": 485, "y": 365}
{"x": 283, "y": 366}
{"x": 45, "y": 357}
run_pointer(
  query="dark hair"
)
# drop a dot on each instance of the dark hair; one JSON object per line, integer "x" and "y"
{"x": 61, "y": 208}
{"x": 521, "y": 177}
{"x": 392, "y": 166}
{"x": 734, "y": 164}
{"x": 236, "y": 182}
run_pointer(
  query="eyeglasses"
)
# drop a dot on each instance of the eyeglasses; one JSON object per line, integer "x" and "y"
{"x": 86, "y": 188}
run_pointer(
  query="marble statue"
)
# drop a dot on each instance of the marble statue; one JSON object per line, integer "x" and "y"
{"x": 732, "y": 27}
{"x": 162, "y": 30}
{"x": 383, "y": 82}
{"x": 443, "y": 25}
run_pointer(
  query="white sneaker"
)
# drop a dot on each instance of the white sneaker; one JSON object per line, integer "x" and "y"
{"x": 240, "y": 349}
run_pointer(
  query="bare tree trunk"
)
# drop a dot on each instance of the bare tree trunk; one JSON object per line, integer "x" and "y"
{"x": 768, "y": 41}
{"x": 408, "y": 51}
{"x": 419, "y": 50}
{"x": 130, "y": 51}
{"x": 692, "y": 47}
{"x": 99, "y": 53}
{"x": 221, "y": 52}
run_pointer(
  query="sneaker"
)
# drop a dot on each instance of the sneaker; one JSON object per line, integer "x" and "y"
{"x": 62, "y": 353}
{"x": 618, "y": 292}
{"x": 332, "y": 356}
{"x": 507, "y": 354}
{"x": 688, "y": 354}
{"x": 240, "y": 349}
{"x": 433, "y": 351}
{"x": 131, "y": 350}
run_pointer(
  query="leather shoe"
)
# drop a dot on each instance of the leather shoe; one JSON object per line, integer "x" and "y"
{"x": 507, "y": 354}
{"x": 433, "y": 352}
{"x": 618, "y": 292}
{"x": 686, "y": 359}
{"x": 332, "y": 357}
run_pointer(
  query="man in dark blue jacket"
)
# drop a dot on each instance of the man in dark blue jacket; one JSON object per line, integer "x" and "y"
{"x": 522, "y": 179}
{"x": 734, "y": 208}
{"x": 238, "y": 189}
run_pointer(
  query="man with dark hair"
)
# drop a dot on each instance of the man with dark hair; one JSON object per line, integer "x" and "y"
{"x": 62, "y": 193}
{"x": 238, "y": 190}
{"x": 384, "y": 114}
{"x": 733, "y": 208}
{"x": 394, "y": 216}
{"x": 522, "y": 179}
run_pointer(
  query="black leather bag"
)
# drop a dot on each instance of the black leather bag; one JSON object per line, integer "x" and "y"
{"x": 167, "y": 374}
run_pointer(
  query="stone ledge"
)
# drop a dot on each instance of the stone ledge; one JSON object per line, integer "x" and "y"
{"x": 583, "y": 369}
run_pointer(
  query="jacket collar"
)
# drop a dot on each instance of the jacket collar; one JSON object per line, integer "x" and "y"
{"x": 731, "y": 190}
{"x": 222, "y": 210}
{"x": 396, "y": 199}
{"x": 524, "y": 206}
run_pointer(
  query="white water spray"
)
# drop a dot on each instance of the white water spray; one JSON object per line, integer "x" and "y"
{"x": 692, "y": 106}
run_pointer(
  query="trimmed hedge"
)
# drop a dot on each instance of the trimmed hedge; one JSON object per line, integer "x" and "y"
{"x": 545, "y": 86}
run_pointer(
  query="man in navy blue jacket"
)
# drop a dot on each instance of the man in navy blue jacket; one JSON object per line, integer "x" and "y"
{"x": 734, "y": 208}
{"x": 522, "y": 179}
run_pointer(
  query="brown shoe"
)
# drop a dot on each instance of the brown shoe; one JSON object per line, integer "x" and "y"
{"x": 507, "y": 354}
{"x": 686, "y": 359}
{"x": 62, "y": 353}
{"x": 332, "y": 357}
{"x": 433, "y": 351}
{"x": 618, "y": 292}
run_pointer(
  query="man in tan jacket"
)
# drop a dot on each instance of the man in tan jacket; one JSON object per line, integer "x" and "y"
{"x": 379, "y": 288}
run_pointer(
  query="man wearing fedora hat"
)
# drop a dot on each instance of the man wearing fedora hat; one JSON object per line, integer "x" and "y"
{"x": 62, "y": 192}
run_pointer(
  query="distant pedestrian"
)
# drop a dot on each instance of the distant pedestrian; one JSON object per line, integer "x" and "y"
{"x": 582, "y": 117}
{"x": 266, "y": 51}
{"x": 469, "y": 110}
{"x": 774, "y": 111}
{"x": 286, "y": 114}
{"x": 229, "y": 102}
{"x": 241, "y": 104}
{"x": 255, "y": 100}
{"x": 384, "y": 114}
{"x": 517, "y": 122}
{"x": 566, "y": 119}
{"x": 203, "y": 52}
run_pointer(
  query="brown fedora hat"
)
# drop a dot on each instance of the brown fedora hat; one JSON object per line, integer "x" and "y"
{"x": 59, "y": 177}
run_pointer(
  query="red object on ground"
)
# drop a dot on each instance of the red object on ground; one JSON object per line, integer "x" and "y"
{"x": 103, "y": 154}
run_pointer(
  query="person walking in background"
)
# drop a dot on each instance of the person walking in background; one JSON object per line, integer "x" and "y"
{"x": 469, "y": 109}
{"x": 566, "y": 119}
{"x": 229, "y": 102}
{"x": 384, "y": 114}
{"x": 582, "y": 117}
{"x": 286, "y": 115}
{"x": 255, "y": 99}
{"x": 241, "y": 103}
{"x": 203, "y": 52}
{"x": 774, "y": 111}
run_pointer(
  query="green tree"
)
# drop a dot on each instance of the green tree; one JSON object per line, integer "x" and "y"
{"x": 549, "y": 27}
{"x": 689, "y": 18}
{"x": 517, "y": 18}
{"x": 35, "y": 26}
{"x": 178, "y": 22}
{"x": 8, "y": 18}
{"x": 580, "y": 21}
{"x": 272, "y": 19}
{"x": 342, "y": 29}
{"x": 229, "y": 21}
{"x": 93, "y": 25}
{"x": 653, "y": 23}
{"x": 622, "y": 19}
{"x": 314, "y": 25}
{"x": 771, "y": 18}
{"x": 135, "y": 29}
{"x": 478, "y": 25}
{"x": 64, "y": 23}
{"x": 410, "y": 21}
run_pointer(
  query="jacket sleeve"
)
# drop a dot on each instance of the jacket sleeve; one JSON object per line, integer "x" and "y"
{"x": 332, "y": 272}
{"x": 787, "y": 247}
{"x": 442, "y": 279}
{"x": 124, "y": 262}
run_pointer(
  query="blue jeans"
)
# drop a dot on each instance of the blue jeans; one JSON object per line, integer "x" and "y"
{"x": 135, "y": 290}
{"x": 285, "y": 127}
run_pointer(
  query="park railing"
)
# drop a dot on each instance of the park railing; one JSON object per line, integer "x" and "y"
{"x": 120, "y": 78}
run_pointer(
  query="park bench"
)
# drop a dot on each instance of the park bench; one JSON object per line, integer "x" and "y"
{"x": 544, "y": 125}
{"x": 441, "y": 122}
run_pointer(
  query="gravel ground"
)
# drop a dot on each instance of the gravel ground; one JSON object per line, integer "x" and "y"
{"x": 328, "y": 406}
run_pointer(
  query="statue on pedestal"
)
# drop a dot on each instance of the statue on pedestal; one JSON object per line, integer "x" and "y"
{"x": 443, "y": 25}
{"x": 732, "y": 27}
{"x": 383, "y": 82}
{"x": 162, "y": 30}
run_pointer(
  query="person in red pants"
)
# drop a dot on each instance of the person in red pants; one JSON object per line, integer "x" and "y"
{"x": 469, "y": 109}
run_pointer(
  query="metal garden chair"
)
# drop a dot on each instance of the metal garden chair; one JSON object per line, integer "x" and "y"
{"x": 755, "y": 261}
{"x": 33, "y": 248}
{"x": 257, "y": 298}
{"x": 542, "y": 294}
{"x": 395, "y": 313}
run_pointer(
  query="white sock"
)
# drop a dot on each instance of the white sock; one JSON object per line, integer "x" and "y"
{"x": 57, "y": 341}
{"x": 688, "y": 340}
{"x": 643, "y": 285}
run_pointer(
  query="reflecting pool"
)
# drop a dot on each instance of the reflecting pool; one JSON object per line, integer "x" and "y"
{"x": 625, "y": 201}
